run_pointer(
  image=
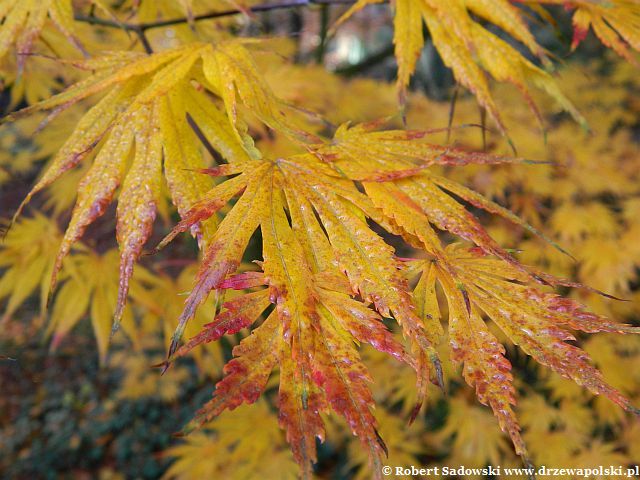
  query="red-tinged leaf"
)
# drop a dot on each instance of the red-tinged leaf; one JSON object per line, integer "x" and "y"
{"x": 563, "y": 282}
{"x": 87, "y": 134}
{"x": 96, "y": 190}
{"x": 323, "y": 265}
{"x": 289, "y": 278}
{"x": 484, "y": 364}
{"x": 246, "y": 375}
{"x": 221, "y": 170}
{"x": 613, "y": 24}
{"x": 292, "y": 290}
{"x": 370, "y": 266}
{"x": 383, "y": 156}
{"x": 443, "y": 211}
{"x": 236, "y": 314}
{"x": 565, "y": 311}
{"x": 244, "y": 281}
{"x": 533, "y": 326}
{"x": 579, "y": 32}
{"x": 365, "y": 257}
{"x": 300, "y": 403}
{"x": 548, "y": 346}
{"x": 364, "y": 324}
{"x": 415, "y": 229}
{"x": 393, "y": 175}
{"x": 212, "y": 201}
{"x": 224, "y": 253}
{"x": 137, "y": 202}
{"x": 557, "y": 309}
{"x": 483, "y": 203}
{"x": 340, "y": 373}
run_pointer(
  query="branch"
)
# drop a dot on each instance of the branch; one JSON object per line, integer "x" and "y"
{"x": 144, "y": 41}
{"x": 142, "y": 27}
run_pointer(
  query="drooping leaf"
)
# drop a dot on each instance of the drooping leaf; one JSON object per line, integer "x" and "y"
{"x": 323, "y": 264}
{"x": 84, "y": 293}
{"x": 22, "y": 22}
{"x": 145, "y": 113}
{"x": 615, "y": 24}
{"x": 532, "y": 319}
{"x": 471, "y": 49}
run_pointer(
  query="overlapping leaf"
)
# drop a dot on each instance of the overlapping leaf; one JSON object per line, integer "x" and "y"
{"x": 311, "y": 333}
{"x": 471, "y": 50}
{"x": 327, "y": 277}
{"x": 141, "y": 127}
{"x": 27, "y": 258}
{"x": 616, "y": 24}
{"x": 322, "y": 265}
{"x": 536, "y": 321}
{"x": 22, "y": 22}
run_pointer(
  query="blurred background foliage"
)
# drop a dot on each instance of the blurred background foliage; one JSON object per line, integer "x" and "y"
{"x": 72, "y": 408}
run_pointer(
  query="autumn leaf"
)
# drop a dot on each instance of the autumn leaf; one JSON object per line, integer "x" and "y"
{"x": 615, "y": 24}
{"x": 22, "y": 22}
{"x": 323, "y": 209}
{"x": 310, "y": 333}
{"x": 534, "y": 320}
{"x": 312, "y": 219}
{"x": 27, "y": 258}
{"x": 251, "y": 442}
{"x": 145, "y": 113}
{"x": 472, "y": 50}
{"x": 85, "y": 294}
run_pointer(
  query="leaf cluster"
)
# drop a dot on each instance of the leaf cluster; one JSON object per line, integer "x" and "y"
{"x": 323, "y": 208}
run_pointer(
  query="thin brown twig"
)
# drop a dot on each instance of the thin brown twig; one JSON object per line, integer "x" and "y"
{"x": 140, "y": 28}
{"x": 144, "y": 41}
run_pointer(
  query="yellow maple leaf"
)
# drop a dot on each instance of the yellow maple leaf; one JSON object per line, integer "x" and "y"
{"x": 154, "y": 95}
{"x": 27, "y": 257}
{"x": 243, "y": 444}
{"x": 470, "y": 49}
{"x": 22, "y": 22}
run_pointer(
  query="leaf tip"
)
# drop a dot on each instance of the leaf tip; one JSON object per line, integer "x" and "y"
{"x": 414, "y": 413}
{"x": 381, "y": 442}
